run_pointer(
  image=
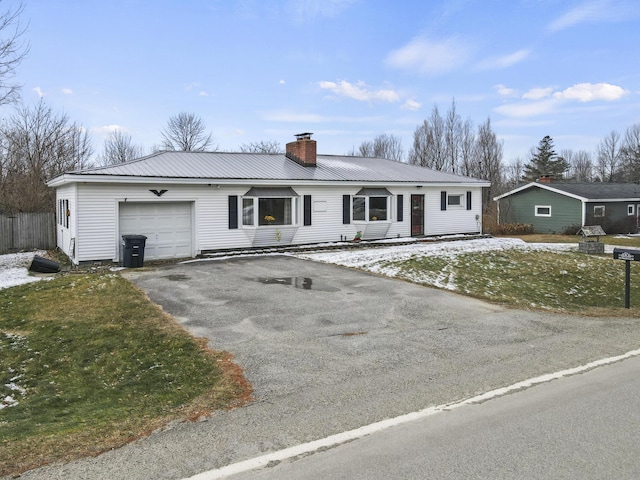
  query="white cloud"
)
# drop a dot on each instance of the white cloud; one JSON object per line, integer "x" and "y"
{"x": 430, "y": 57}
{"x": 588, "y": 92}
{"x": 541, "y": 101}
{"x": 411, "y": 105}
{"x": 526, "y": 109}
{"x": 203, "y": 94}
{"x": 282, "y": 82}
{"x": 505, "y": 60}
{"x": 67, "y": 91}
{"x": 359, "y": 91}
{"x": 105, "y": 130}
{"x": 505, "y": 91}
{"x": 39, "y": 92}
{"x": 597, "y": 11}
{"x": 538, "y": 93}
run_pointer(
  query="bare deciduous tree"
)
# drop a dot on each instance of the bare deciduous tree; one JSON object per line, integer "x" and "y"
{"x": 488, "y": 159}
{"x": 453, "y": 139}
{"x": 429, "y": 144}
{"x": 630, "y": 154}
{"x": 608, "y": 155}
{"x": 37, "y": 145}
{"x": 513, "y": 174}
{"x": 580, "y": 165}
{"x": 187, "y": 132}
{"x": 383, "y": 146}
{"x": 263, "y": 146}
{"x": 118, "y": 148}
{"x": 12, "y": 52}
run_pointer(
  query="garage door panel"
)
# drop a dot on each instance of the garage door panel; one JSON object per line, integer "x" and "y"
{"x": 167, "y": 227}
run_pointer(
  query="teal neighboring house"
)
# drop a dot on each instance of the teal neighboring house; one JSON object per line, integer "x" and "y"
{"x": 565, "y": 207}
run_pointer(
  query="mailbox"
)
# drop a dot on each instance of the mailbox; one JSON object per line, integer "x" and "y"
{"x": 629, "y": 254}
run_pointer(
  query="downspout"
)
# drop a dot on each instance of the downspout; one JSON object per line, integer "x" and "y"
{"x": 498, "y": 210}
{"x": 584, "y": 212}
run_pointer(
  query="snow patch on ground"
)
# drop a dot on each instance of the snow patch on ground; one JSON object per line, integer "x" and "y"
{"x": 374, "y": 259}
{"x": 14, "y": 269}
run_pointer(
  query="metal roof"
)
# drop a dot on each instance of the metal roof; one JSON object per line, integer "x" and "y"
{"x": 214, "y": 166}
{"x": 593, "y": 192}
{"x": 271, "y": 192}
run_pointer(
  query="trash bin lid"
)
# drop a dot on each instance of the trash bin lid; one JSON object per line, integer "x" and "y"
{"x": 134, "y": 237}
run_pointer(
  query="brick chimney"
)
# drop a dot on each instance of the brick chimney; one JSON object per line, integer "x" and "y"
{"x": 545, "y": 179}
{"x": 303, "y": 150}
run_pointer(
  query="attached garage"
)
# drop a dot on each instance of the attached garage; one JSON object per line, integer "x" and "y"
{"x": 167, "y": 226}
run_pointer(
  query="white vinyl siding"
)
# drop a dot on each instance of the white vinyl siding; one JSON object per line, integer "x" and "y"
{"x": 453, "y": 220}
{"x": 98, "y": 236}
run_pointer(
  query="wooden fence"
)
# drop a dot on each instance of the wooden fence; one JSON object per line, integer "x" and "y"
{"x": 27, "y": 231}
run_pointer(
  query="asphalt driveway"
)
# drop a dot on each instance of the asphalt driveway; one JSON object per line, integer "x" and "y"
{"x": 330, "y": 349}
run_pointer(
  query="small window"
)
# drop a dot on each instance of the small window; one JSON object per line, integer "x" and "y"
{"x": 598, "y": 211}
{"x": 247, "y": 211}
{"x": 359, "y": 208}
{"x": 543, "y": 210}
{"x": 454, "y": 200}
{"x": 65, "y": 213}
{"x": 630, "y": 210}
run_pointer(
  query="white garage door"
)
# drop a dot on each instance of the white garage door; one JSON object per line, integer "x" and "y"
{"x": 167, "y": 227}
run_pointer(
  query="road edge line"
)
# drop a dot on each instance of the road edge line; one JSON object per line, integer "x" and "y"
{"x": 336, "y": 439}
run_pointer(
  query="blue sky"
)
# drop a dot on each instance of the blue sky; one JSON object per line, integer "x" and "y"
{"x": 346, "y": 70}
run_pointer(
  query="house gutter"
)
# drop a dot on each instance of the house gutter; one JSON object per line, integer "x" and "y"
{"x": 72, "y": 178}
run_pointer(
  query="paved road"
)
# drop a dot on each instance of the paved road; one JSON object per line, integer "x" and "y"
{"x": 329, "y": 349}
{"x": 582, "y": 427}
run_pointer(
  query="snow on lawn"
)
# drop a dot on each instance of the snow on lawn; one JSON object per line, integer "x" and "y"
{"x": 14, "y": 269}
{"x": 382, "y": 260}
{"x": 372, "y": 258}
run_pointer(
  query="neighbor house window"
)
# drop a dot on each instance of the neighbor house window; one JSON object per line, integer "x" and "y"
{"x": 598, "y": 211}
{"x": 630, "y": 210}
{"x": 543, "y": 210}
{"x": 455, "y": 200}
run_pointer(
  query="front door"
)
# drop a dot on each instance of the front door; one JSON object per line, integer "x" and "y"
{"x": 417, "y": 215}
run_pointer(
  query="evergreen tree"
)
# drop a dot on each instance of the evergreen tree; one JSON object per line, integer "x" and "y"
{"x": 545, "y": 162}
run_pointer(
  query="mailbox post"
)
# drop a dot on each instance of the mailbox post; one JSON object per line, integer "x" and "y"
{"x": 629, "y": 255}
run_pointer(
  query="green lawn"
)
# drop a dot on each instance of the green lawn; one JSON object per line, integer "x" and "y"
{"x": 559, "y": 281}
{"x": 88, "y": 363}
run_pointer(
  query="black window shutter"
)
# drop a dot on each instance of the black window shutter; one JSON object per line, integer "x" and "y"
{"x": 400, "y": 205}
{"x": 307, "y": 209}
{"x": 468, "y": 200}
{"x": 233, "y": 212}
{"x": 443, "y": 200}
{"x": 346, "y": 209}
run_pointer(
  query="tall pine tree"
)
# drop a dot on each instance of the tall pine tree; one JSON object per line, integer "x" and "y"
{"x": 545, "y": 162}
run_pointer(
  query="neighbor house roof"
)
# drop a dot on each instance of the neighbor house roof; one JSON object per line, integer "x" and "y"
{"x": 586, "y": 192}
{"x": 200, "y": 167}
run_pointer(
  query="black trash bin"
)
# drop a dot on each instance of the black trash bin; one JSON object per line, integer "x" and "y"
{"x": 44, "y": 265}
{"x": 133, "y": 250}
